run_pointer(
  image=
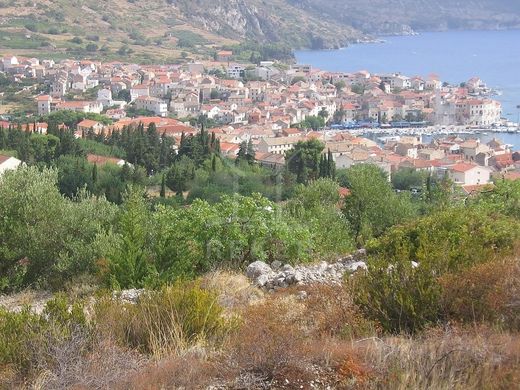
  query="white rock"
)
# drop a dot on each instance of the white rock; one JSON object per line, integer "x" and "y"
{"x": 254, "y": 270}
{"x": 275, "y": 265}
{"x": 262, "y": 280}
{"x": 356, "y": 265}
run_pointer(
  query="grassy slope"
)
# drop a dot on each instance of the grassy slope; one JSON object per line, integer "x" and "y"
{"x": 149, "y": 28}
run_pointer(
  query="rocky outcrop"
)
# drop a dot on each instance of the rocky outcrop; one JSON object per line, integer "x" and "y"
{"x": 278, "y": 275}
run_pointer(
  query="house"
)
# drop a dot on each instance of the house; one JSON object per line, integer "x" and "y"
{"x": 236, "y": 71}
{"x": 103, "y": 160}
{"x": 87, "y": 125}
{"x": 270, "y": 160}
{"x": 224, "y": 56}
{"x": 469, "y": 174}
{"x": 139, "y": 90}
{"x": 8, "y": 163}
{"x": 153, "y": 104}
{"x": 47, "y": 104}
{"x": 277, "y": 145}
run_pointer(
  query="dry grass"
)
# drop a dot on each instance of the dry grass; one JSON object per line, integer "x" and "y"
{"x": 167, "y": 341}
{"x": 445, "y": 359}
{"x": 234, "y": 291}
{"x": 487, "y": 292}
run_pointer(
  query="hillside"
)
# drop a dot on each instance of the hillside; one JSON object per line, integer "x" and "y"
{"x": 402, "y": 16}
{"x": 165, "y": 30}
{"x": 158, "y": 30}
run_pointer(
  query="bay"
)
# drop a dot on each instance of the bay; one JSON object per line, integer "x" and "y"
{"x": 454, "y": 56}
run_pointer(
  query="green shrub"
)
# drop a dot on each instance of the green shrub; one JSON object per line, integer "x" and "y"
{"x": 26, "y": 338}
{"x": 407, "y": 297}
{"x": 46, "y": 238}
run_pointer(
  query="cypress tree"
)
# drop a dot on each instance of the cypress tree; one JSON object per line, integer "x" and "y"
{"x": 332, "y": 165}
{"x": 94, "y": 174}
{"x": 163, "y": 187}
{"x": 250, "y": 152}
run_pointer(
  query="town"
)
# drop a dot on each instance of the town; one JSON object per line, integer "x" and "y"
{"x": 274, "y": 106}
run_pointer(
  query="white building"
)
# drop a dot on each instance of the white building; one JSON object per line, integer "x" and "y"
{"x": 8, "y": 163}
{"x": 469, "y": 174}
{"x": 236, "y": 71}
{"x": 157, "y": 106}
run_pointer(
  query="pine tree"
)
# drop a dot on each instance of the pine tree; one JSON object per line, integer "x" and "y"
{"x": 214, "y": 163}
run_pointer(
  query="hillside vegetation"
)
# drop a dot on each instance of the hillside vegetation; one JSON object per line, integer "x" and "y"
{"x": 149, "y": 291}
{"x": 165, "y": 30}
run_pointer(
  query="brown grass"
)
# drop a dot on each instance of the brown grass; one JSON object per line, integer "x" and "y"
{"x": 487, "y": 292}
{"x": 285, "y": 342}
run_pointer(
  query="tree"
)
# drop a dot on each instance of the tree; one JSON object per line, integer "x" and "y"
{"x": 129, "y": 258}
{"x": 315, "y": 206}
{"x": 242, "y": 152}
{"x": 340, "y": 85}
{"x": 297, "y": 79}
{"x": 250, "y": 152}
{"x": 406, "y": 178}
{"x": 46, "y": 238}
{"x": 323, "y": 113}
{"x": 180, "y": 174}
{"x": 94, "y": 174}
{"x": 303, "y": 160}
{"x": 373, "y": 206}
{"x": 163, "y": 186}
{"x": 124, "y": 94}
{"x": 358, "y": 89}
{"x": 313, "y": 122}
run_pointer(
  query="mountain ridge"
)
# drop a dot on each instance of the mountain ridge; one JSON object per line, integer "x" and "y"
{"x": 166, "y": 30}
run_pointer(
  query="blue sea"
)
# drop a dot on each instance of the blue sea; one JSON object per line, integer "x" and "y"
{"x": 454, "y": 56}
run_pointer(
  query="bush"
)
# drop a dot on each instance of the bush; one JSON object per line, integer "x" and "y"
{"x": 91, "y": 47}
{"x": 44, "y": 237}
{"x": 484, "y": 293}
{"x": 26, "y": 338}
{"x": 165, "y": 322}
{"x": 317, "y": 206}
{"x": 406, "y": 296}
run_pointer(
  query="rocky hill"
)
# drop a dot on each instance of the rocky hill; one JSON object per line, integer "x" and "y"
{"x": 403, "y": 16}
{"x": 162, "y": 30}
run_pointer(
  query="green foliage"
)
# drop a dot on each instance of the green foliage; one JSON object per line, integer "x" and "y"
{"x": 221, "y": 176}
{"x": 406, "y": 178}
{"x": 303, "y": 160}
{"x": 44, "y": 237}
{"x": 316, "y": 206}
{"x": 188, "y": 39}
{"x": 127, "y": 249}
{"x": 372, "y": 207}
{"x": 26, "y": 338}
{"x": 358, "y": 89}
{"x": 72, "y": 118}
{"x": 256, "y": 52}
{"x": 313, "y": 122}
{"x": 234, "y": 232}
{"x": 503, "y": 198}
{"x": 180, "y": 174}
{"x": 404, "y": 297}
